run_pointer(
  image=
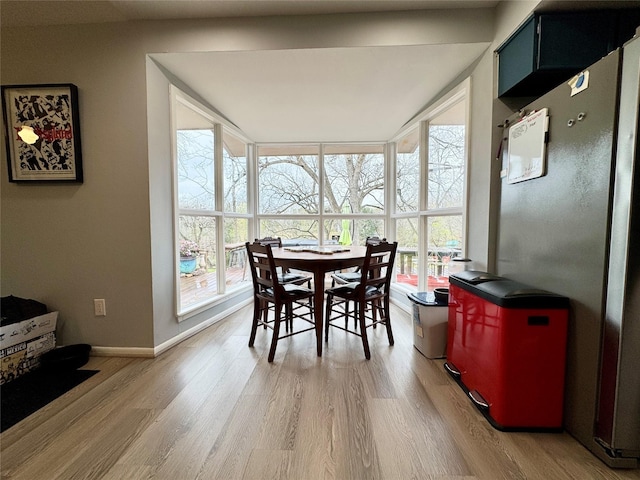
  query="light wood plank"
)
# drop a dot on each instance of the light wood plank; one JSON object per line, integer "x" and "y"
{"x": 267, "y": 465}
{"x": 212, "y": 408}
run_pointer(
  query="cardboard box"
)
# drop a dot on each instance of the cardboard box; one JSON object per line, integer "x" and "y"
{"x": 22, "y": 343}
{"x": 27, "y": 329}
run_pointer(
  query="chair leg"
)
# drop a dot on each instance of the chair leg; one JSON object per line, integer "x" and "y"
{"x": 375, "y": 305}
{"x": 387, "y": 320}
{"x": 276, "y": 332}
{"x": 254, "y": 324}
{"x": 363, "y": 331}
{"x": 288, "y": 317}
{"x": 265, "y": 313}
{"x": 346, "y": 313}
{"x": 356, "y": 314}
{"x": 327, "y": 316}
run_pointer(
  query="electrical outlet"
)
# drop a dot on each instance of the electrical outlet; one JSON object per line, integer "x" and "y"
{"x": 99, "y": 307}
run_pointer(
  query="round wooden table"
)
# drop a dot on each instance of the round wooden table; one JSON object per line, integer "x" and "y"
{"x": 319, "y": 264}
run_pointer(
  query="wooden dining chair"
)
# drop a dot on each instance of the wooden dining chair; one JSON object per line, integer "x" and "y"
{"x": 288, "y": 301}
{"x": 342, "y": 278}
{"x": 285, "y": 275}
{"x": 370, "y": 295}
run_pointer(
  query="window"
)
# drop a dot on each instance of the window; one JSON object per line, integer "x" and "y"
{"x": 235, "y": 209}
{"x": 354, "y": 179}
{"x": 211, "y": 205}
{"x": 430, "y": 195}
{"x": 288, "y": 192}
{"x": 310, "y": 194}
{"x": 321, "y": 194}
{"x": 407, "y": 206}
{"x": 446, "y": 181}
{"x": 408, "y": 172}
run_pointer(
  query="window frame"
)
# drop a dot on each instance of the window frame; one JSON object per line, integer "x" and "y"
{"x": 389, "y": 216}
{"x": 321, "y": 216}
{"x": 460, "y": 93}
{"x": 220, "y": 126}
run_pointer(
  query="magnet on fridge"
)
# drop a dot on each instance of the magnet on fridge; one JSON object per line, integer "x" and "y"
{"x": 579, "y": 83}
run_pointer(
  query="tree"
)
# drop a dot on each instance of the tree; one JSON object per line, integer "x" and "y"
{"x": 353, "y": 183}
{"x": 446, "y": 166}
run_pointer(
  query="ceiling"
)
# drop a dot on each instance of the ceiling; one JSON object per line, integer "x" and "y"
{"x": 329, "y": 94}
{"x": 62, "y": 12}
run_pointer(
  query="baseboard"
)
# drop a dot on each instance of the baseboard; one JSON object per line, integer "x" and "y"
{"x": 122, "y": 352}
{"x": 163, "y": 347}
{"x": 405, "y": 307}
{"x": 172, "y": 342}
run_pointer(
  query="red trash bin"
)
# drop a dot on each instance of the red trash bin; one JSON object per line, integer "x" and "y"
{"x": 507, "y": 349}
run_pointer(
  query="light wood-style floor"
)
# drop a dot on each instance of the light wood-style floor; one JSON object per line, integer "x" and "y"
{"x": 212, "y": 408}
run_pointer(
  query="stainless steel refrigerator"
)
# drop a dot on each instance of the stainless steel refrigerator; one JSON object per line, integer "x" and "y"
{"x": 575, "y": 231}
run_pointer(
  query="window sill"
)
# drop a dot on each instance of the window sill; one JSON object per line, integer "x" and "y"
{"x": 204, "y": 306}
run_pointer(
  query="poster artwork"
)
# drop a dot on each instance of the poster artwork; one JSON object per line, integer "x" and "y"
{"x": 51, "y": 114}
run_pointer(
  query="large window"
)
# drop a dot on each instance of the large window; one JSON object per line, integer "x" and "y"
{"x": 211, "y": 205}
{"x": 430, "y": 200}
{"x": 228, "y": 191}
{"x": 321, "y": 194}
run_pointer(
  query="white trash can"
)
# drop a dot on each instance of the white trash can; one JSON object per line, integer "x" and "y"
{"x": 430, "y": 323}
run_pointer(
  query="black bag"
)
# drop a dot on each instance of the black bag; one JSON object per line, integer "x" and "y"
{"x": 15, "y": 309}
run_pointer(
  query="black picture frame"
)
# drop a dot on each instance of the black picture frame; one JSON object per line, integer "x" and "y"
{"x": 50, "y": 112}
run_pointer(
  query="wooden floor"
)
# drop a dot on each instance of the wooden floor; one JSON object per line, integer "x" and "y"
{"x": 212, "y": 408}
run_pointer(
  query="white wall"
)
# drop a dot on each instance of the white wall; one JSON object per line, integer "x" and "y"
{"x": 110, "y": 237}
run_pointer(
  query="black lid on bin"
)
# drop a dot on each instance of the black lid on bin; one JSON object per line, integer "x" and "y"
{"x": 473, "y": 277}
{"x": 424, "y": 299}
{"x": 511, "y": 294}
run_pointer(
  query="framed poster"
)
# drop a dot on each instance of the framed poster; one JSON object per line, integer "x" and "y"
{"x": 42, "y": 133}
{"x": 527, "y": 147}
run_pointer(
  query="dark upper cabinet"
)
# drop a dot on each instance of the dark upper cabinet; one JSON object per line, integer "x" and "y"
{"x": 549, "y": 48}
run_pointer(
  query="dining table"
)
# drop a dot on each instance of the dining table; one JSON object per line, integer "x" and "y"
{"x": 319, "y": 261}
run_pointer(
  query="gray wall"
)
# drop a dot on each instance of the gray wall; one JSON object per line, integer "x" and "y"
{"x": 65, "y": 245}
{"x": 111, "y": 236}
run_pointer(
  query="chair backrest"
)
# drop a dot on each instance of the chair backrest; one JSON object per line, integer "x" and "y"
{"x": 377, "y": 269}
{"x": 273, "y": 241}
{"x": 263, "y": 268}
{"x": 374, "y": 240}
